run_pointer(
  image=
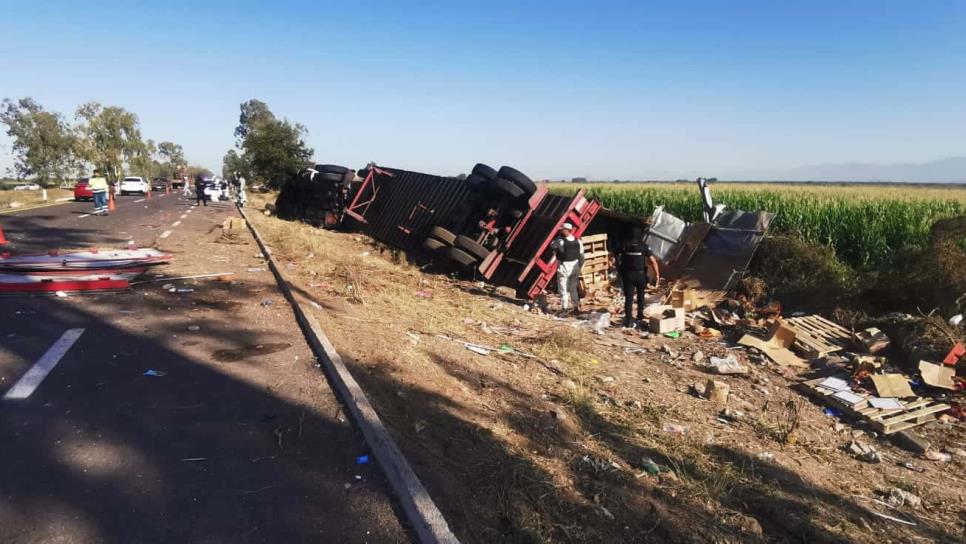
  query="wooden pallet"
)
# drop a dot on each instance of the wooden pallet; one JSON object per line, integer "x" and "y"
{"x": 817, "y": 336}
{"x": 596, "y": 261}
{"x": 594, "y": 243}
{"x": 912, "y": 414}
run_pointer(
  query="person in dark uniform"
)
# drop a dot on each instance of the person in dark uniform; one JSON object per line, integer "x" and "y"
{"x": 200, "y": 196}
{"x": 635, "y": 258}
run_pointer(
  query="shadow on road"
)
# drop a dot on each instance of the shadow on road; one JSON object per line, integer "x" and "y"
{"x": 102, "y": 453}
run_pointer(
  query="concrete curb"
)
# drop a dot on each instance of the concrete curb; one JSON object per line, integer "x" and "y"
{"x": 422, "y": 514}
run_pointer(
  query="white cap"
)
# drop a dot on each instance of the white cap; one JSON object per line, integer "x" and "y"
{"x": 567, "y": 226}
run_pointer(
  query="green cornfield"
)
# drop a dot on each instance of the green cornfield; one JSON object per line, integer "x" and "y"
{"x": 866, "y": 226}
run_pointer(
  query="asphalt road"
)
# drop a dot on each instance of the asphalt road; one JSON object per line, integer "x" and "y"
{"x": 236, "y": 438}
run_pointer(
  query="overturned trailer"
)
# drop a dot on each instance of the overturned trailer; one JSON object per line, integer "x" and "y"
{"x": 498, "y": 224}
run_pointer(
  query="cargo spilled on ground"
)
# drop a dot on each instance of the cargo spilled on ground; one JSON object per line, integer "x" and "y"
{"x": 529, "y": 428}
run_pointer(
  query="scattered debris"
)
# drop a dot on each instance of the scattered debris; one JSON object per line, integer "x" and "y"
{"x": 727, "y": 365}
{"x": 900, "y": 497}
{"x": 864, "y": 452}
{"x": 154, "y": 373}
{"x": 872, "y": 340}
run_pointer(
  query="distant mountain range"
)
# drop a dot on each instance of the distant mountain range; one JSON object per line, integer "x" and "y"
{"x": 950, "y": 170}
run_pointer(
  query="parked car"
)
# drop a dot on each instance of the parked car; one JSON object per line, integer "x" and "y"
{"x": 134, "y": 184}
{"x": 82, "y": 190}
{"x": 177, "y": 183}
{"x": 159, "y": 184}
{"x": 27, "y": 187}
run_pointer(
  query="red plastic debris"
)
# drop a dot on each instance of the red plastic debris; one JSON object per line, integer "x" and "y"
{"x": 954, "y": 354}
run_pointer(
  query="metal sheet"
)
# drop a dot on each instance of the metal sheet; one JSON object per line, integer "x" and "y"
{"x": 725, "y": 254}
{"x": 664, "y": 234}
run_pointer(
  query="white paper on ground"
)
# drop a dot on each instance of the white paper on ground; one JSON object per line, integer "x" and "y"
{"x": 885, "y": 403}
{"x": 848, "y": 397}
{"x": 835, "y": 384}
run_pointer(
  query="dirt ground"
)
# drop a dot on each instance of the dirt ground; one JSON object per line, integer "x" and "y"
{"x": 543, "y": 431}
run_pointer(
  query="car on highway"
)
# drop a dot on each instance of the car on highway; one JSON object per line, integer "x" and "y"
{"x": 177, "y": 183}
{"x": 159, "y": 184}
{"x": 27, "y": 187}
{"x": 134, "y": 184}
{"x": 82, "y": 190}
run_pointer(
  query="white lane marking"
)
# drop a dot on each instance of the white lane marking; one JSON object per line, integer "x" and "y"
{"x": 31, "y": 380}
{"x": 176, "y": 223}
{"x": 165, "y": 234}
{"x": 83, "y": 215}
{"x": 139, "y": 200}
{"x": 183, "y": 216}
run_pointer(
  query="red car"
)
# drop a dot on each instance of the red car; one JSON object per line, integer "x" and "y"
{"x": 82, "y": 190}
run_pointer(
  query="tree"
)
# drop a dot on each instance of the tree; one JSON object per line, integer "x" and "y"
{"x": 233, "y": 162}
{"x": 173, "y": 155}
{"x": 193, "y": 171}
{"x": 253, "y": 113}
{"x": 43, "y": 144}
{"x": 276, "y": 150}
{"x": 109, "y": 137}
{"x": 272, "y": 149}
{"x": 142, "y": 158}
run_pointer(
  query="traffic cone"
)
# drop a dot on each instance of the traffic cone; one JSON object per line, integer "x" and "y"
{"x": 3, "y": 239}
{"x": 110, "y": 201}
{"x": 149, "y": 194}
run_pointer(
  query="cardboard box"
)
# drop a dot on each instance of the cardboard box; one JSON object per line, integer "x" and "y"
{"x": 671, "y": 319}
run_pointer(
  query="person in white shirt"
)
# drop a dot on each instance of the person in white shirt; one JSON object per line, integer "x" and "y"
{"x": 568, "y": 250}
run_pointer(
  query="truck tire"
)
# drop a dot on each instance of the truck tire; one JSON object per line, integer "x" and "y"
{"x": 476, "y": 181}
{"x": 331, "y": 169}
{"x": 470, "y": 246}
{"x": 433, "y": 245}
{"x": 519, "y": 178}
{"x": 328, "y": 177}
{"x": 443, "y": 235}
{"x": 508, "y": 188}
{"x": 461, "y": 257}
{"x": 484, "y": 171}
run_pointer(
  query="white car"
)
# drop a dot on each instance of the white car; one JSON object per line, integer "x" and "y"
{"x": 27, "y": 187}
{"x": 134, "y": 184}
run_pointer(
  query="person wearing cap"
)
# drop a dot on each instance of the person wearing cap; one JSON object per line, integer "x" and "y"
{"x": 99, "y": 190}
{"x": 568, "y": 250}
{"x": 634, "y": 259}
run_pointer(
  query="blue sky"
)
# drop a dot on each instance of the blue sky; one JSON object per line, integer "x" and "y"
{"x": 557, "y": 89}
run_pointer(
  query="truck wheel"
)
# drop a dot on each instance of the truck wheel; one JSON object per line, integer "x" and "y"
{"x": 519, "y": 178}
{"x": 476, "y": 181}
{"x": 470, "y": 246}
{"x": 484, "y": 171}
{"x": 443, "y": 235}
{"x": 461, "y": 257}
{"x": 433, "y": 245}
{"x": 331, "y": 169}
{"x": 330, "y": 177}
{"x": 509, "y": 188}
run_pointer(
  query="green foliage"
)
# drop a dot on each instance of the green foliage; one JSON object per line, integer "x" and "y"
{"x": 272, "y": 149}
{"x": 865, "y": 232}
{"x": 43, "y": 144}
{"x": 174, "y": 161}
{"x": 109, "y": 137}
{"x": 233, "y": 162}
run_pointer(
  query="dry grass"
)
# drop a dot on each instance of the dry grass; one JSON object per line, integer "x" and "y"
{"x": 31, "y": 198}
{"x": 506, "y": 471}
